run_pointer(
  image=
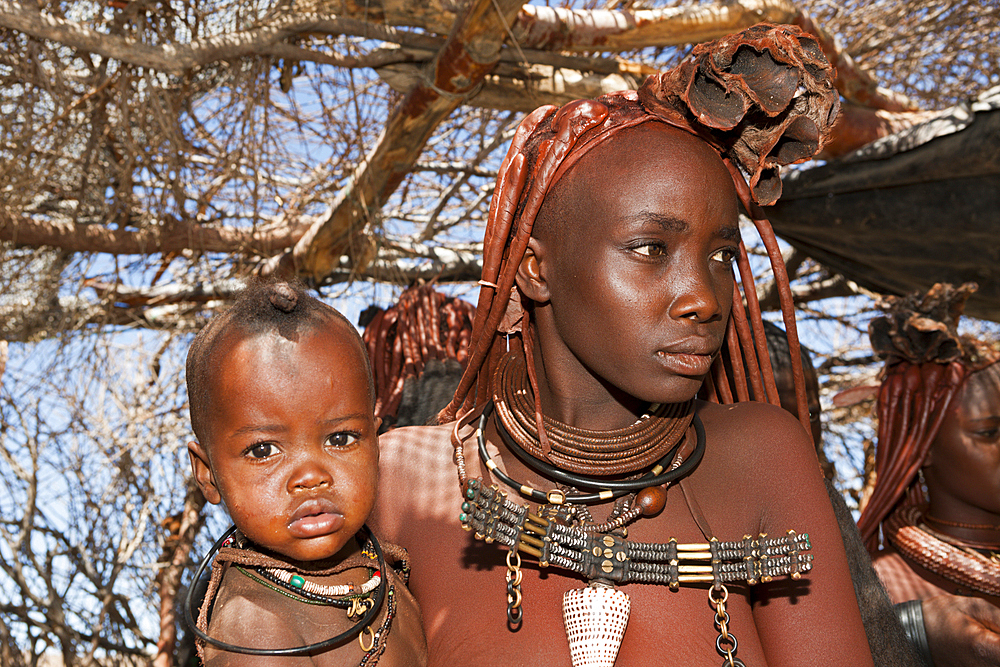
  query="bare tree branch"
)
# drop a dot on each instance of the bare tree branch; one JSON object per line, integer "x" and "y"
{"x": 179, "y": 58}
{"x": 172, "y": 237}
{"x": 472, "y": 49}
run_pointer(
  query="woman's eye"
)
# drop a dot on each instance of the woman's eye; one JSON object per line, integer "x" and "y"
{"x": 262, "y": 450}
{"x": 341, "y": 439}
{"x": 724, "y": 255}
{"x": 651, "y": 249}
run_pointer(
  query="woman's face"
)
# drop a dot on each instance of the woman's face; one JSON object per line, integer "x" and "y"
{"x": 963, "y": 473}
{"x": 635, "y": 251}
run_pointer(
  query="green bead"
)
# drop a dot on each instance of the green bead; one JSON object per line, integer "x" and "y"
{"x": 296, "y": 581}
{"x": 463, "y": 517}
{"x": 466, "y": 507}
{"x": 470, "y": 494}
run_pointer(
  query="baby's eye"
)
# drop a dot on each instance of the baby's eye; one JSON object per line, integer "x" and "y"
{"x": 342, "y": 439}
{"x": 651, "y": 249}
{"x": 262, "y": 450}
{"x": 724, "y": 255}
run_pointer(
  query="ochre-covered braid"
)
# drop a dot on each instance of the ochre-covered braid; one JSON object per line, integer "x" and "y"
{"x": 424, "y": 324}
{"x": 762, "y": 98}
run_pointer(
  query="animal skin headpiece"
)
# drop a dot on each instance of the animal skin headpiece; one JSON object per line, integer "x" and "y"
{"x": 923, "y": 328}
{"x": 762, "y": 98}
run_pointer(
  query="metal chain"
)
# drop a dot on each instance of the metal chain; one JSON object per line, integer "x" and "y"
{"x": 725, "y": 643}
{"x": 514, "y": 612}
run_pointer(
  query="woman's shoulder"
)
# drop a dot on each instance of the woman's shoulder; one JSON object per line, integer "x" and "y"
{"x": 761, "y": 453}
{"x": 754, "y": 428}
{"x": 418, "y": 478}
{"x": 745, "y": 412}
{"x": 417, "y": 440}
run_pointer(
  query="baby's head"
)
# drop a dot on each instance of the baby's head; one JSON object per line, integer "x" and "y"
{"x": 282, "y": 406}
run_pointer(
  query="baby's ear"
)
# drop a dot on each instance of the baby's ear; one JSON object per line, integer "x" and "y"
{"x": 202, "y": 471}
{"x": 530, "y": 277}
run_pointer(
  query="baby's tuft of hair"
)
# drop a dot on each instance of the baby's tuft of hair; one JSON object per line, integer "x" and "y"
{"x": 283, "y": 297}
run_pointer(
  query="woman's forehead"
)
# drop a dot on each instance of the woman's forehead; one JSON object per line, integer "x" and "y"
{"x": 655, "y": 141}
{"x": 634, "y": 164}
{"x": 984, "y": 383}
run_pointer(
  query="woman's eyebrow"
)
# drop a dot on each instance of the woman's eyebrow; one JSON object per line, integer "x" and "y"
{"x": 730, "y": 233}
{"x": 669, "y": 223}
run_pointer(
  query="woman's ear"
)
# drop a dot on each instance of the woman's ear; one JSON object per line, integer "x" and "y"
{"x": 530, "y": 275}
{"x": 202, "y": 471}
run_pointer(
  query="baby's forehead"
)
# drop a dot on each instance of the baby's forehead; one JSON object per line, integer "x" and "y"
{"x": 331, "y": 340}
{"x": 330, "y": 348}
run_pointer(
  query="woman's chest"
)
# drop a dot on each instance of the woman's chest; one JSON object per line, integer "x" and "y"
{"x": 478, "y": 604}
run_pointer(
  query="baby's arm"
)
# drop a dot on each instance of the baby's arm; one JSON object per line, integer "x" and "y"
{"x": 814, "y": 620}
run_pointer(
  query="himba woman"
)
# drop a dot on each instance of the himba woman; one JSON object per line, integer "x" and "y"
{"x": 606, "y": 507}
{"x": 932, "y": 519}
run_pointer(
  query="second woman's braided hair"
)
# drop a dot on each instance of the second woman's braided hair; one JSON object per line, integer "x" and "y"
{"x": 423, "y": 324}
{"x": 762, "y": 98}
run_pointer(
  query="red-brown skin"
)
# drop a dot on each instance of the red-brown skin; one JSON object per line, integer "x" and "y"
{"x": 292, "y": 453}
{"x": 626, "y": 309}
{"x": 962, "y": 472}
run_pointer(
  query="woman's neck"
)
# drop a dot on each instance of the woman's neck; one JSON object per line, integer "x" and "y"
{"x": 974, "y": 526}
{"x": 575, "y": 396}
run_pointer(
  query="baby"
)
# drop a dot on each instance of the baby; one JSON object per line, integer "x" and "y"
{"x": 282, "y": 405}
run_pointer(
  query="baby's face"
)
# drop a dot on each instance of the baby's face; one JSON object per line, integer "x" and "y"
{"x": 292, "y": 446}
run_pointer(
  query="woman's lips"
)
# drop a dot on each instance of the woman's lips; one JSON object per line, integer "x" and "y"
{"x": 685, "y": 363}
{"x": 315, "y": 518}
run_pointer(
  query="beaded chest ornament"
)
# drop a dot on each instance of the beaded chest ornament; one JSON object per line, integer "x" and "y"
{"x": 558, "y": 533}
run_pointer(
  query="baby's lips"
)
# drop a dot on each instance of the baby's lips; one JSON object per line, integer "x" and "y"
{"x": 316, "y": 525}
{"x": 315, "y": 517}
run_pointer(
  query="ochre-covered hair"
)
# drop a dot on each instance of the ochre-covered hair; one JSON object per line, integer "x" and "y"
{"x": 762, "y": 98}
{"x": 424, "y": 324}
{"x": 926, "y": 363}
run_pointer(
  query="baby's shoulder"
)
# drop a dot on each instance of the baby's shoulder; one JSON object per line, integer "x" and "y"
{"x": 246, "y": 613}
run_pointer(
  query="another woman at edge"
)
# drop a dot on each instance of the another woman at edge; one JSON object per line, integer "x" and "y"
{"x": 936, "y": 498}
{"x": 608, "y": 275}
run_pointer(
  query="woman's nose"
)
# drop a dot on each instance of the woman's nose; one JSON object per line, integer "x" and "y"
{"x": 697, "y": 296}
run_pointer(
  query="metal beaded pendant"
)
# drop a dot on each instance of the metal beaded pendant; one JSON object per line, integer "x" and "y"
{"x": 595, "y": 619}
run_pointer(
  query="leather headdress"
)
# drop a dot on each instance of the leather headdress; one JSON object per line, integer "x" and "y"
{"x": 762, "y": 98}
